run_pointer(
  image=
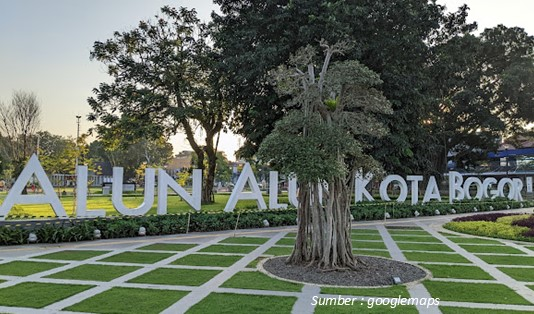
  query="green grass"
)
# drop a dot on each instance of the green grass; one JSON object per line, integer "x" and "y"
{"x": 259, "y": 281}
{"x": 254, "y": 263}
{"x": 72, "y": 255}
{"x": 507, "y": 260}
{"x": 94, "y": 272}
{"x": 37, "y": 295}
{"x": 25, "y": 268}
{"x": 240, "y": 249}
{"x": 207, "y": 260}
{"x": 174, "y": 204}
{"x": 530, "y": 248}
{"x": 462, "y": 240}
{"x": 365, "y": 236}
{"x": 245, "y": 240}
{"x": 435, "y": 257}
{"x": 457, "y": 271}
{"x": 172, "y": 247}
{"x": 137, "y": 257}
{"x": 365, "y": 231}
{"x": 424, "y": 247}
{"x": 365, "y": 307}
{"x": 179, "y": 277}
{"x": 286, "y": 241}
{"x": 279, "y": 250}
{"x": 227, "y": 303}
{"x": 519, "y": 274}
{"x": 291, "y": 235}
{"x": 465, "y": 310}
{"x": 502, "y": 249}
{"x": 368, "y": 245}
{"x": 409, "y": 238}
{"x": 474, "y": 292}
{"x": 391, "y": 292}
{"x": 372, "y": 253}
{"x": 129, "y": 300}
{"x": 408, "y": 232}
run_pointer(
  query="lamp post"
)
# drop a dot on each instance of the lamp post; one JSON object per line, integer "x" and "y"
{"x": 76, "y": 167}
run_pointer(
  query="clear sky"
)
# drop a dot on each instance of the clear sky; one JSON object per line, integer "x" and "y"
{"x": 45, "y": 45}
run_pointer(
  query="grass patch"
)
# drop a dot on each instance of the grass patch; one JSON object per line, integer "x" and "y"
{"x": 279, "y": 250}
{"x": 363, "y": 307}
{"x": 178, "y": 277}
{"x": 465, "y": 310}
{"x": 172, "y": 247}
{"x": 507, "y": 260}
{"x": 409, "y": 238}
{"x": 392, "y": 292}
{"x": 259, "y": 281}
{"x": 365, "y": 231}
{"x": 255, "y": 262}
{"x": 26, "y": 268}
{"x": 368, "y": 245}
{"x": 38, "y": 295}
{"x": 435, "y": 257}
{"x": 519, "y": 274}
{"x": 424, "y": 247}
{"x": 474, "y": 292}
{"x": 94, "y": 272}
{"x": 457, "y": 271}
{"x": 72, "y": 255}
{"x": 462, "y": 240}
{"x": 490, "y": 249}
{"x": 227, "y": 303}
{"x": 530, "y": 248}
{"x": 207, "y": 260}
{"x": 137, "y": 257}
{"x": 291, "y": 235}
{"x": 138, "y": 301}
{"x": 245, "y": 240}
{"x": 240, "y": 249}
{"x": 365, "y": 236}
{"x": 286, "y": 241}
{"x": 372, "y": 253}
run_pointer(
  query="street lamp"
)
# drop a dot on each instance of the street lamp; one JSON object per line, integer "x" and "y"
{"x": 77, "y": 138}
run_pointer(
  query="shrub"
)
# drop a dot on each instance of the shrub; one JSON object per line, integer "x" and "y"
{"x": 489, "y": 229}
{"x": 525, "y": 222}
{"x": 483, "y": 217}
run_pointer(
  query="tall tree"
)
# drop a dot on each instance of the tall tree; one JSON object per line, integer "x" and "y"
{"x": 321, "y": 143}
{"x": 484, "y": 87}
{"x": 18, "y": 123}
{"x": 391, "y": 38}
{"x": 150, "y": 153}
{"x": 163, "y": 82}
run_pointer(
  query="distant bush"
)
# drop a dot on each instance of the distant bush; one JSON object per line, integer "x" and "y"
{"x": 490, "y": 229}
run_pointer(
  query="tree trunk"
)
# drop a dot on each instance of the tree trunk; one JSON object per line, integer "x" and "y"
{"x": 324, "y": 228}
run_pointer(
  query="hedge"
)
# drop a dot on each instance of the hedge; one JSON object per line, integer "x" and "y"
{"x": 128, "y": 226}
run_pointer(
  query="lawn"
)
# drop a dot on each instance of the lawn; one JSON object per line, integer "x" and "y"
{"x": 42, "y": 294}
{"x": 174, "y": 204}
{"x": 26, "y": 268}
{"x": 173, "y": 276}
{"x": 146, "y": 301}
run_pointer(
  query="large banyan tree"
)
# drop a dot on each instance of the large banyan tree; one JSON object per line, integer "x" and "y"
{"x": 321, "y": 144}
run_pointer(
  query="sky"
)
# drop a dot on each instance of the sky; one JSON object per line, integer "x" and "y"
{"x": 45, "y": 45}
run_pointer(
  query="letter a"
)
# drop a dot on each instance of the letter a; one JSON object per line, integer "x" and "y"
{"x": 15, "y": 195}
{"x": 237, "y": 194}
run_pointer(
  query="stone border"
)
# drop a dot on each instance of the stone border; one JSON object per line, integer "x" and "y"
{"x": 407, "y": 284}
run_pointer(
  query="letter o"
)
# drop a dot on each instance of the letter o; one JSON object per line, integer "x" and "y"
{"x": 467, "y": 185}
{"x": 511, "y": 185}
{"x": 402, "y": 185}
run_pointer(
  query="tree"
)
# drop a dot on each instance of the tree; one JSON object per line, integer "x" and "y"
{"x": 321, "y": 144}
{"x": 391, "y": 38}
{"x": 18, "y": 123}
{"x": 163, "y": 81}
{"x": 484, "y": 90}
{"x": 142, "y": 154}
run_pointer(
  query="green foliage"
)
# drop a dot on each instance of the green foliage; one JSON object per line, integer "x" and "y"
{"x": 489, "y": 229}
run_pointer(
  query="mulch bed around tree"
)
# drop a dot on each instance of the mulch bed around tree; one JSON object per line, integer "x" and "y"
{"x": 375, "y": 273}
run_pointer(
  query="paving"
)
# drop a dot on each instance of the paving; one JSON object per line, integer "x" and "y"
{"x": 420, "y": 241}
